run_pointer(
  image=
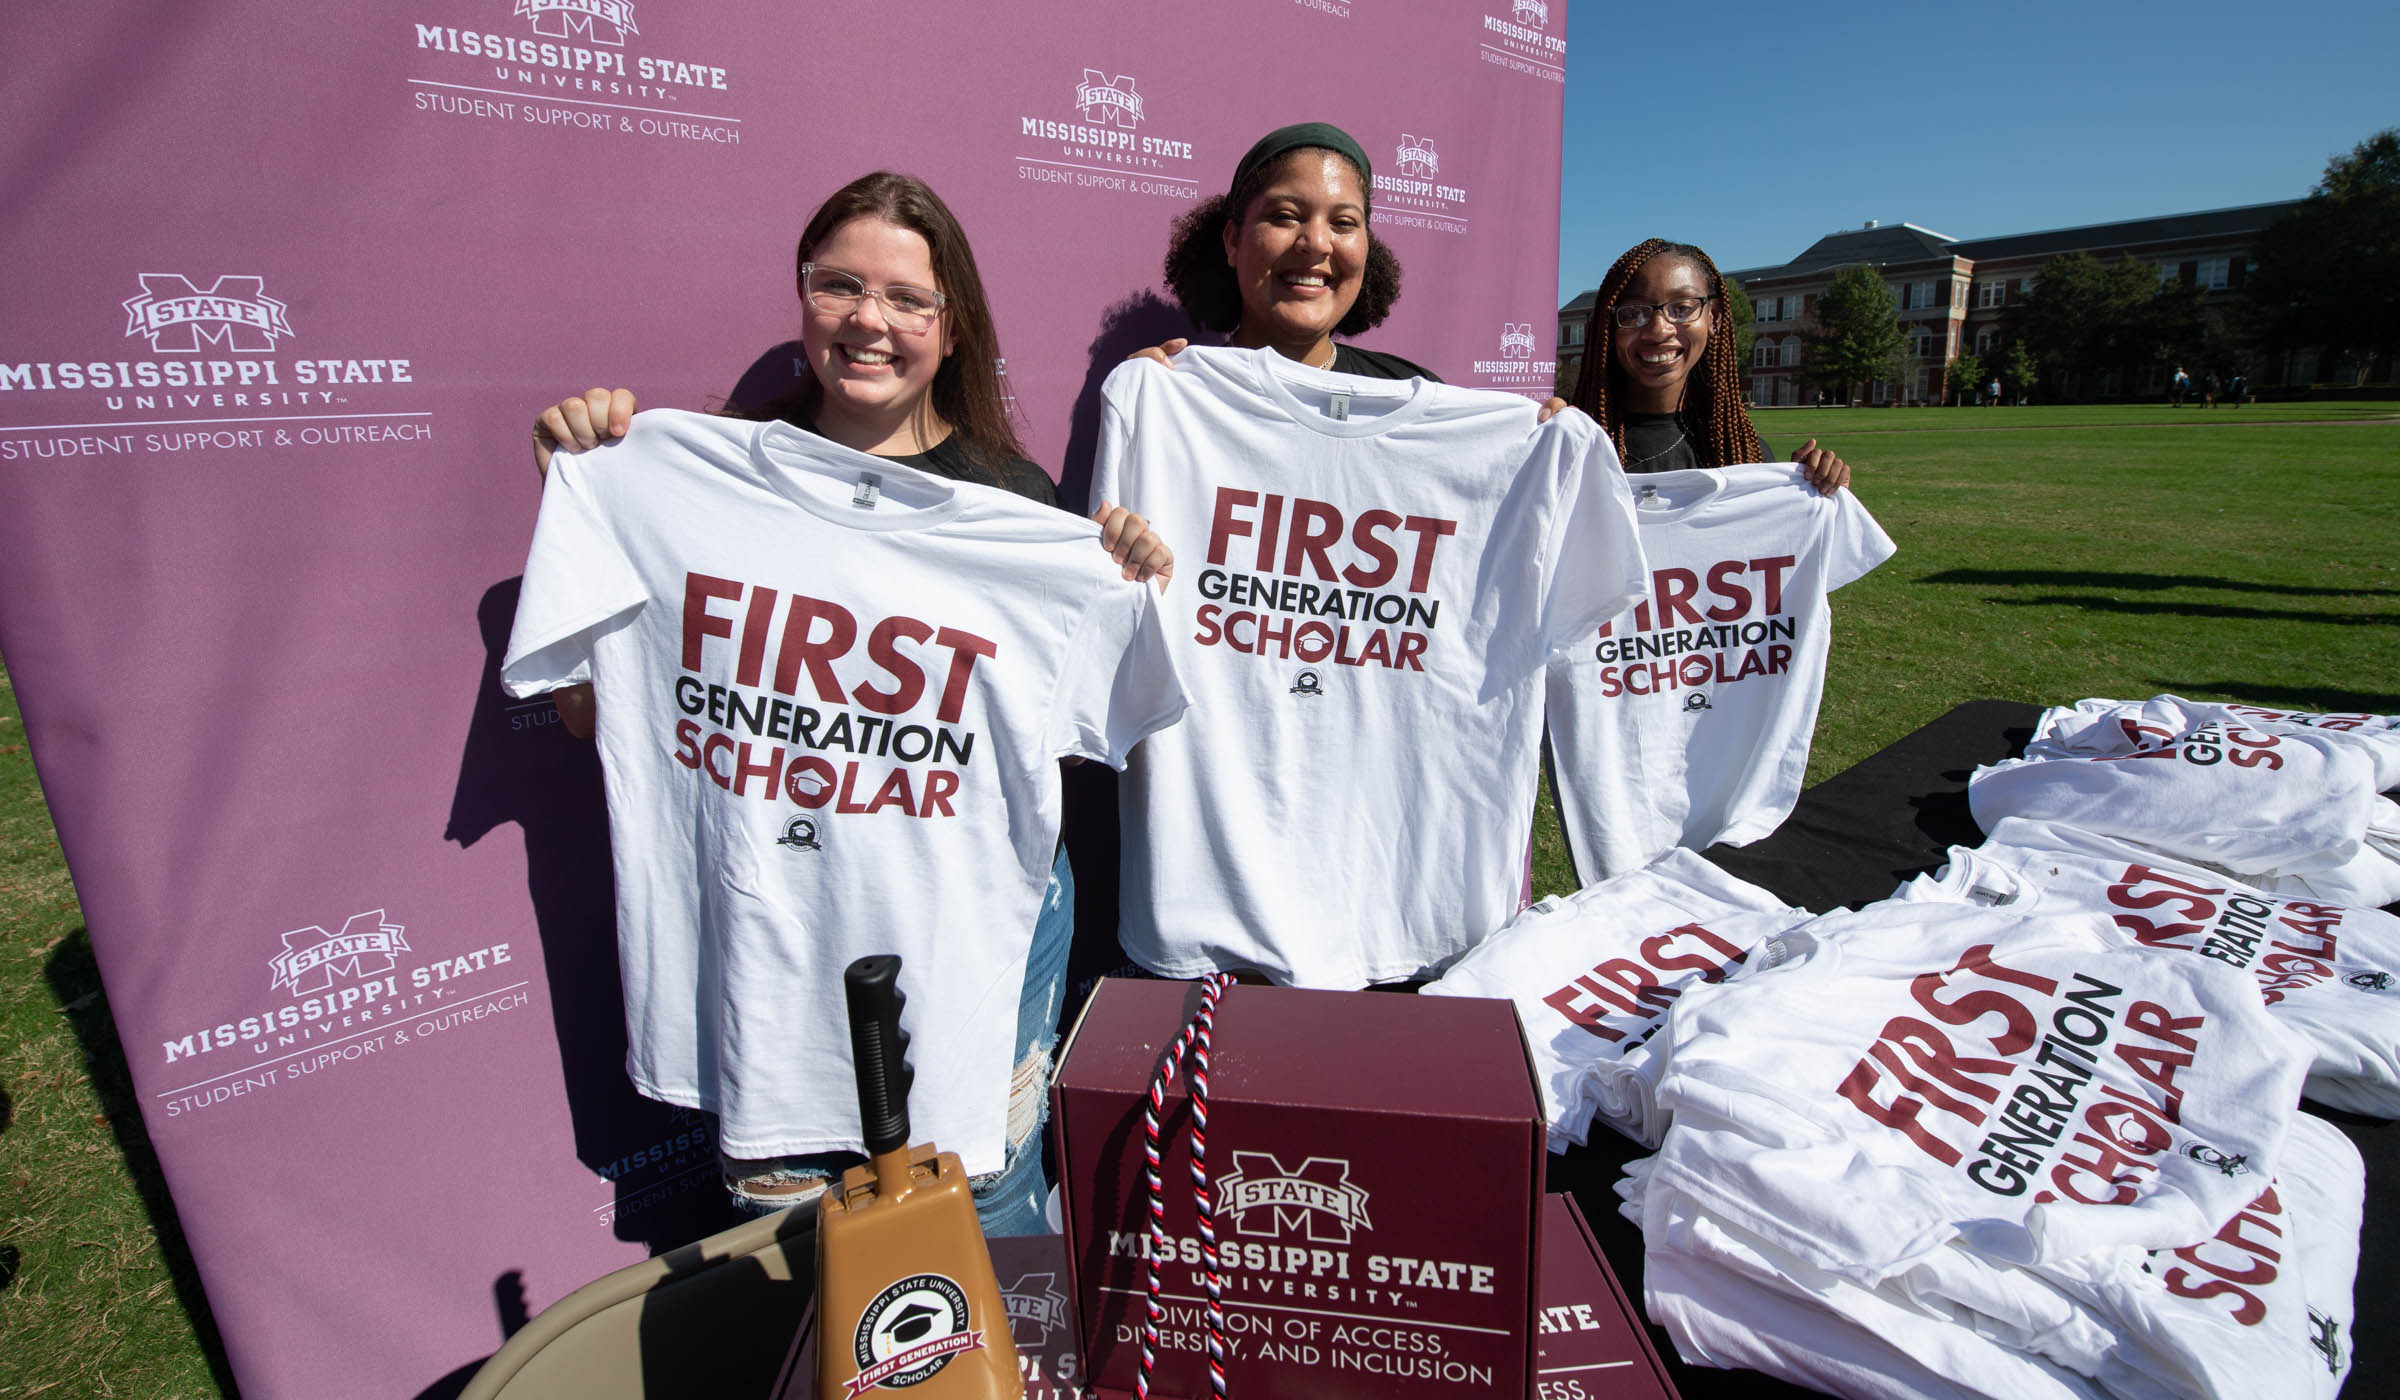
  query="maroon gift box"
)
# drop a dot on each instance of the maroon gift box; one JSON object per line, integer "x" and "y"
{"x": 1588, "y": 1342}
{"x": 1376, "y": 1160}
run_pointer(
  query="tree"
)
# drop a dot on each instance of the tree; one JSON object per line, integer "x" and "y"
{"x": 1966, "y": 377}
{"x": 1858, "y": 332}
{"x": 2329, "y": 271}
{"x": 2085, "y": 317}
{"x": 2018, "y": 370}
{"x": 1738, "y": 310}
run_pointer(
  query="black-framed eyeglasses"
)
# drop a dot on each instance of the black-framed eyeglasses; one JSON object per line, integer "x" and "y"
{"x": 1631, "y": 315}
{"x": 837, "y": 293}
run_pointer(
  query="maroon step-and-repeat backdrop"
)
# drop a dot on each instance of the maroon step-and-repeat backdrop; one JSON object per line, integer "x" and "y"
{"x": 287, "y": 285}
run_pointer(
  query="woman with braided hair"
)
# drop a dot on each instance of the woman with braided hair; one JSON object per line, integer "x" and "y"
{"x": 1668, "y": 387}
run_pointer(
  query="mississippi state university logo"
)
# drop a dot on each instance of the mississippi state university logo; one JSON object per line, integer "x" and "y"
{"x": 1314, "y": 1200}
{"x": 909, "y": 1333}
{"x": 2370, "y": 981}
{"x": 1417, "y": 157}
{"x": 593, "y": 21}
{"x": 1106, "y": 101}
{"x": 2235, "y": 1164}
{"x": 1696, "y": 702}
{"x": 1533, "y": 12}
{"x": 1035, "y": 1308}
{"x": 234, "y": 315}
{"x": 800, "y": 834}
{"x": 1516, "y": 340}
{"x": 367, "y": 946}
{"x": 1307, "y": 682}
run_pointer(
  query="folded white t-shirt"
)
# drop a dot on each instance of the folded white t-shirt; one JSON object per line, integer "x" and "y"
{"x": 2328, "y": 971}
{"x": 1593, "y": 976}
{"x": 1893, "y": 1079}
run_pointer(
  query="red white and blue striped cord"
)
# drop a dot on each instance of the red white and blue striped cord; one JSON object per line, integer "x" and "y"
{"x": 1195, "y": 1039}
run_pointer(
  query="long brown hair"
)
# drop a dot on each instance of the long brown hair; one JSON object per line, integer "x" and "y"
{"x": 1712, "y": 397}
{"x": 966, "y": 389}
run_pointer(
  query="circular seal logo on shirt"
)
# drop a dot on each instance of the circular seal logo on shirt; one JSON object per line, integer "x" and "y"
{"x": 2370, "y": 981}
{"x": 1695, "y": 702}
{"x": 1307, "y": 683}
{"x": 910, "y": 1332}
{"x": 800, "y": 834}
{"x": 2234, "y": 1164}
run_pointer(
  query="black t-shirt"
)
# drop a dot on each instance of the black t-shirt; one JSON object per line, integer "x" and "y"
{"x": 1661, "y": 442}
{"x": 948, "y": 458}
{"x": 1374, "y": 364}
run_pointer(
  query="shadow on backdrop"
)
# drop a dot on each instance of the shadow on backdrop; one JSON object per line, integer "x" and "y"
{"x": 656, "y": 1164}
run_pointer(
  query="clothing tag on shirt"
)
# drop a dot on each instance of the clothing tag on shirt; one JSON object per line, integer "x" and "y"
{"x": 1337, "y": 405}
{"x": 868, "y": 491}
{"x": 1651, "y": 500}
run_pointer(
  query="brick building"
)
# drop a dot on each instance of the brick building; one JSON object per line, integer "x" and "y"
{"x": 1952, "y": 294}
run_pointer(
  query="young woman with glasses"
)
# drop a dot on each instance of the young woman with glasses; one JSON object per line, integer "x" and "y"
{"x": 902, "y": 364}
{"x": 1668, "y": 387}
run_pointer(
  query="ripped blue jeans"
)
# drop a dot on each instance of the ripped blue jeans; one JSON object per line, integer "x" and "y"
{"x": 1011, "y": 1200}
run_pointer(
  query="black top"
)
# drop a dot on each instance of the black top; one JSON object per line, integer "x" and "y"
{"x": 1659, "y": 442}
{"x": 948, "y": 458}
{"x": 1374, "y": 364}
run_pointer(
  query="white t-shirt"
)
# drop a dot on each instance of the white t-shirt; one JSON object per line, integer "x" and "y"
{"x": 1889, "y": 1080}
{"x": 2089, "y": 728}
{"x": 1593, "y": 976}
{"x": 2242, "y": 799}
{"x": 2262, "y": 1307}
{"x": 2329, "y": 971}
{"x": 1728, "y": 1298}
{"x": 1369, "y": 576}
{"x": 833, "y": 692}
{"x": 1687, "y": 721}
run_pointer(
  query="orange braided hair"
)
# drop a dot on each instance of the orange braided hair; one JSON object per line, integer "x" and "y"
{"x": 1712, "y": 396}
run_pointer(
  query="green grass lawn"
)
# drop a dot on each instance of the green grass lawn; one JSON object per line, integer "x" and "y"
{"x": 2046, "y": 554}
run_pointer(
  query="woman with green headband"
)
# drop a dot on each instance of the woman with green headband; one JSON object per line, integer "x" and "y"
{"x": 1284, "y": 259}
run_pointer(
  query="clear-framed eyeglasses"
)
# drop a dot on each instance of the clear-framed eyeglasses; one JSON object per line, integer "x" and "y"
{"x": 1682, "y": 311}
{"x": 837, "y": 293}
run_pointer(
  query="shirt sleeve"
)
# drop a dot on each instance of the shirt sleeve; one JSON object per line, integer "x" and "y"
{"x": 1593, "y": 561}
{"x": 1116, "y": 430}
{"x": 1854, "y": 543}
{"x": 577, "y": 578}
{"x": 1118, "y": 685}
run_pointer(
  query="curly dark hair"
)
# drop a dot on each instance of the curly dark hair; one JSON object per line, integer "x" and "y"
{"x": 1196, "y": 271}
{"x": 1712, "y": 396}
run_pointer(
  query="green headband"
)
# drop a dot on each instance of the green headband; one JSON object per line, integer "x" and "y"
{"x": 1283, "y": 140}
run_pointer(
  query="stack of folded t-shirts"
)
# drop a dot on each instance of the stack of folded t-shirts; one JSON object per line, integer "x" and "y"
{"x": 1594, "y": 974}
{"x": 2285, "y": 805}
{"x": 2329, "y": 971}
{"x": 1934, "y": 1149}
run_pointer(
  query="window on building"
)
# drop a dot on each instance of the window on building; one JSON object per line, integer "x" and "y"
{"x": 1570, "y": 334}
{"x": 2167, "y": 272}
{"x": 1923, "y": 344}
{"x": 1991, "y": 293}
{"x": 1987, "y": 339}
{"x": 2214, "y": 273}
{"x": 1791, "y": 351}
{"x": 1924, "y": 383}
{"x": 1763, "y": 353}
{"x": 1958, "y": 293}
{"x": 1916, "y": 296}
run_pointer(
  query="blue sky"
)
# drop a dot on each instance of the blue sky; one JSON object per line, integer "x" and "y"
{"x": 1971, "y": 121}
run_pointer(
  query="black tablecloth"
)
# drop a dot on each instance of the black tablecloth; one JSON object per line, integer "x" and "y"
{"x": 1852, "y": 839}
